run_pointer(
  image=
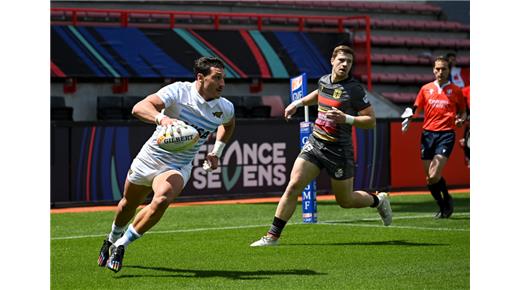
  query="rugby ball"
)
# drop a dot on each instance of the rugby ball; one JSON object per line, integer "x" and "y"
{"x": 177, "y": 137}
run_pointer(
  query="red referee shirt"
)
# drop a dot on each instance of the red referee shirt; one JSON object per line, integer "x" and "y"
{"x": 440, "y": 105}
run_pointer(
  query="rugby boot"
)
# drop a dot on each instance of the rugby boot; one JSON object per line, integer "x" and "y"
{"x": 265, "y": 241}
{"x": 115, "y": 262}
{"x": 104, "y": 253}
{"x": 384, "y": 208}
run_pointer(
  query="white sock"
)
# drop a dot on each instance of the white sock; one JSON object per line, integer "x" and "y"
{"x": 115, "y": 233}
{"x": 129, "y": 236}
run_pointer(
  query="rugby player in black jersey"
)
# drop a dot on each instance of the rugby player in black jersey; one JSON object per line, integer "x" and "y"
{"x": 342, "y": 103}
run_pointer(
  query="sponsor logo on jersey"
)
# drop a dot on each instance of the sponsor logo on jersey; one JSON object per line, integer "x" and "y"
{"x": 217, "y": 114}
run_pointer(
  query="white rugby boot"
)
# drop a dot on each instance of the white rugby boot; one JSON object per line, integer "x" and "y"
{"x": 264, "y": 242}
{"x": 384, "y": 209}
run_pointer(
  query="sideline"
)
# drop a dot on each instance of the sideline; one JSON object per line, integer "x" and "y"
{"x": 231, "y": 201}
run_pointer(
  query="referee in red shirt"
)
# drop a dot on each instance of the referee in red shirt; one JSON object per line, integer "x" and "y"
{"x": 444, "y": 108}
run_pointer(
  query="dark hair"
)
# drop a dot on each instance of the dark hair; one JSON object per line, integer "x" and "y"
{"x": 441, "y": 58}
{"x": 342, "y": 48}
{"x": 204, "y": 64}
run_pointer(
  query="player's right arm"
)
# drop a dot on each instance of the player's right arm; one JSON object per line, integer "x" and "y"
{"x": 149, "y": 110}
{"x": 308, "y": 100}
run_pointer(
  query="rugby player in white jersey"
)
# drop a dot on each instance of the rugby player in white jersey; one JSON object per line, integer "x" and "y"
{"x": 195, "y": 103}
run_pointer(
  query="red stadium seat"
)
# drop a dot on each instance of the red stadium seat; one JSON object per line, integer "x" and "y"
{"x": 430, "y": 42}
{"x": 405, "y": 78}
{"x": 463, "y": 43}
{"x": 391, "y": 58}
{"x": 400, "y": 98}
{"x": 377, "y": 58}
{"x": 414, "y": 41}
{"x": 463, "y": 60}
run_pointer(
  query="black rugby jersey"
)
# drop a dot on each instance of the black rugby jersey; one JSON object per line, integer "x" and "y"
{"x": 349, "y": 97}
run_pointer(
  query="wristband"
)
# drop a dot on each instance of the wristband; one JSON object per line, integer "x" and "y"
{"x": 298, "y": 103}
{"x": 349, "y": 119}
{"x": 158, "y": 118}
{"x": 218, "y": 148}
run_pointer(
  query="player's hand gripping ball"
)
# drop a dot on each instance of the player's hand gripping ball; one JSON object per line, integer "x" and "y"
{"x": 177, "y": 137}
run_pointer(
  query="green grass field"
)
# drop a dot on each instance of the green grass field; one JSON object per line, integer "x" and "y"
{"x": 207, "y": 247}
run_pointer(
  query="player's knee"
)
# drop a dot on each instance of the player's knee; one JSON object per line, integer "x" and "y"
{"x": 294, "y": 188}
{"x": 160, "y": 203}
{"x": 125, "y": 204}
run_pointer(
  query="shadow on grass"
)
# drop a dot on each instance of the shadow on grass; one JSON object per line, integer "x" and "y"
{"x": 233, "y": 275}
{"x": 379, "y": 243}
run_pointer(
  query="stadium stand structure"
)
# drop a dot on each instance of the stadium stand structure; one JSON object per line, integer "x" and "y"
{"x": 405, "y": 37}
{"x": 110, "y": 108}
{"x": 59, "y": 111}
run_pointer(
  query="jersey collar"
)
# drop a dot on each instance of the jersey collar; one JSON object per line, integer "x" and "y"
{"x": 441, "y": 87}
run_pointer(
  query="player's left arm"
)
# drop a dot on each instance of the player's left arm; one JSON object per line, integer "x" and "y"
{"x": 461, "y": 110}
{"x": 365, "y": 119}
{"x": 224, "y": 133}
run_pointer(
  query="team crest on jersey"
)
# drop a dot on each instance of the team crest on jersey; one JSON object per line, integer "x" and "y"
{"x": 338, "y": 173}
{"x": 217, "y": 114}
{"x": 431, "y": 91}
{"x": 337, "y": 93}
{"x": 448, "y": 92}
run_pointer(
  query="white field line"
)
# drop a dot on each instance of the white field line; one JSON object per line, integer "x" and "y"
{"x": 329, "y": 223}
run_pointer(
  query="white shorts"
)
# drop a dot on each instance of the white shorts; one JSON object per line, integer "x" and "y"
{"x": 142, "y": 172}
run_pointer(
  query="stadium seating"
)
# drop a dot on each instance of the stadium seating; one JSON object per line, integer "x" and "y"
{"x": 110, "y": 108}
{"x": 400, "y": 98}
{"x": 241, "y": 111}
{"x": 59, "y": 111}
{"x": 276, "y": 103}
{"x": 260, "y": 111}
{"x": 405, "y": 38}
{"x": 128, "y": 104}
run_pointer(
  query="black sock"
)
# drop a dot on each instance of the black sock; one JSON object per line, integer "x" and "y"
{"x": 444, "y": 190}
{"x": 436, "y": 193}
{"x": 376, "y": 200}
{"x": 277, "y": 227}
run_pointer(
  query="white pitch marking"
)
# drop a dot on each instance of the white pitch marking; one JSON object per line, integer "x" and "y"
{"x": 331, "y": 222}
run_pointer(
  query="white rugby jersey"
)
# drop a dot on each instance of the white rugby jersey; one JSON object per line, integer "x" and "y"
{"x": 183, "y": 102}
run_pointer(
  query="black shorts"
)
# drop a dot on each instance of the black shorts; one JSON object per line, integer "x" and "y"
{"x": 433, "y": 143}
{"x": 337, "y": 160}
